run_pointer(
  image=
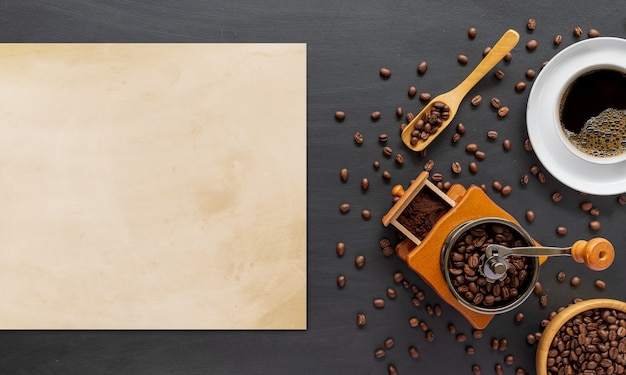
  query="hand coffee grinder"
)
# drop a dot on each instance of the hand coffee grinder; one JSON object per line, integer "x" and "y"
{"x": 509, "y": 260}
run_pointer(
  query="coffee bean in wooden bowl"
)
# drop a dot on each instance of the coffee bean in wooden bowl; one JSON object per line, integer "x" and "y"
{"x": 585, "y": 337}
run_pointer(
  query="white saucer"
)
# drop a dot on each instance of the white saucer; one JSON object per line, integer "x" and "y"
{"x": 543, "y": 122}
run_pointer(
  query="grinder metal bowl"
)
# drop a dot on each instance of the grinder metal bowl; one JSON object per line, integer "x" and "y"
{"x": 493, "y": 269}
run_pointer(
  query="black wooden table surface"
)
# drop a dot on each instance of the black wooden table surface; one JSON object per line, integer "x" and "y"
{"x": 347, "y": 43}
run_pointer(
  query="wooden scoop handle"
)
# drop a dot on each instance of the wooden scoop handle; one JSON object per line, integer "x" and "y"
{"x": 597, "y": 253}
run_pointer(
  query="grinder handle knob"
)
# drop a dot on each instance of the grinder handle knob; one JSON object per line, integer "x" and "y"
{"x": 597, "y": 253}
{"x": 397, "y": 191}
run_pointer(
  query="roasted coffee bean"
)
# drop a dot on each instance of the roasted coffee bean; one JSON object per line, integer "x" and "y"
{"x": 340, "y": 115}
{"x": 412, "y": 91}
{"x": 504, "y": 344}
{"x": 359, "y": 261}
{"x": 578, "y": 32}
{"x": 422, "y": 67}
{"x": 341, "y": 281}
{"x": 398, "y": 277}
{"x": 506, "y": 190}
{"x": 391, "y": 293}
{"x": 358, "y": 138}
{"x": 360, "y": 319}
{"x": 375, "y": 116}
{"x": 399, "y": 112}
{"x": 473, "y": 167}
{"x": 543, "y": 300}
{"x": 503, "y": 111}
{"x": 379, "y": 303}
{"x": 382, "y": 138}
{"x": 560, "y": 277}
{"x": 531, "y": 24}
{"x": 392, "y": 370}
{"x": 486, "y": 51}
{"x": 430, "y": 310}
{"x": 538, "y": 290}
{"x": 451, "y": 328}
{"x": 524, "y": 179}
{"x": 574, "y": 281}
{"x": 384, "y": 243}
{"x": 498, "y": 369}
{"x": 413, "y": 352}
{"x": 471, "y": 148}
{"x": 557, "y": 197}
{"x": 460, "y": 128}
{"x": 461, "y": 337}
{"x": 476, "y": 370}
{"x": 531, "y": 45}
{"x": 499, "y": 74}
{"x": 389, "y": 343}
{"x": 430, "y": 336}
{"x": 519, "y": 317}
{"x": 621, "y": 200}
{"x": 476, "y": 100}
{"x": 530, "y": 339}
{"x": 495, "y": 344}
{"x": 520, "y": 86}
{"x": 497, "y": 186}
{"x": 340, "y": 248}
{"x": 456, "y": 167}
{"x": 586, "y": 206}
{"x": 343, "y": 174}
{"x": 541, "y": 177}
{"x": 409, "y": 117}
{"x": 509, "y": 360}
{"x": 594, "y": 225}
{"x": 366, "y": 214}
{"x": 430, "y": 164}
{"x": 438, "y": 310}
{"x": 380, "y": 353}
{"x": 344, "y": 208}
{"x": 495, "y": 103}
{"x": 492, "y": 134}
{"x": 462, "y": 59}
{"x": 558, "y": 39}
{"x": 399, "y": 159}
{"x": 388, "y": 251}
{"x": 506, "y": 145}
{"x": 456, "y": 137}
{"x": 414, "y": 322}
{"x": 387, "y": 151}
{"x": 528, "y": 147}
{"x": 423, "y": 326}
{"x": 508, "y": 57}
{"x": 436, "y": 177}
{"x": 480, "y": 155}
{"x": 600, "y": 284}
{"x": 520, "y": 371}
{"x": 365, "y": 183}
{"x": 425, "y": 96}
{"x": 561, "y": 230}
{"x": 387, "y": 175}
{"x": 469, "y": 350}
{"x": 530, "y": 74}
{"x": 477, "y": 333}
{"x": 593, "y": 33}
{"x": 385, "y": 72}
{"x": 376, "y": 164}
{"x": 471, "y": 33}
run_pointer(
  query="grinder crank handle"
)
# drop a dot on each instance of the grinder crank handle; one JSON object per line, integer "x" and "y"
{"x": 597, "y": 253}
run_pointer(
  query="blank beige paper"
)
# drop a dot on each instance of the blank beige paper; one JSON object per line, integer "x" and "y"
{"x": 153, "y": 186}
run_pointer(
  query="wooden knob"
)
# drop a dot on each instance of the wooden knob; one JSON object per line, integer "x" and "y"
{"x": 397, "y": 191}
{"x": 597, "y": 253}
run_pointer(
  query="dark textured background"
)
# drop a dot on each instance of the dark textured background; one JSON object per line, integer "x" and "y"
{"x": 348, "y": 41}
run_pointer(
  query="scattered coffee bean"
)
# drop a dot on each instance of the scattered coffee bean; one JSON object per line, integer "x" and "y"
{"x": 495, "y": 103}
{"x": 530, "y": 216}
{"x": 531, "y": 45}
{"x": 530, "y": 339}
{"x": 519, "y": 317}
{"x": 473, "y": 167}
{"x": 558, "y": 39}
{"x": 451, "y": 328}
{"x": 476, "y": 370}
{"x": 438, "y": 310}
{"x": 341, "y": 281}
{"x": 413, "y": 352}
{"x": 430, "y": 164}
{"x": 359, "y": 261}
{"x": 557, "y": 197}
{"x": 460, "y": 128}
{"x": 560, "y": 277}
{"x": 578, "y": 32}
{"x": 375, "y": 116}
{"x": 430, "y": 310}
{"x": 543, "y": 300}
{"x": 499, "y": 74}
{"x": 387, "y": 151}
{"x": 388, "y": 251}
{"x": 387, "y": 175}
{"x": 376, "y": 164}
{"x": 470, "y": 350}
{"x": 384, "y": 243}
{"x": 480, "y": 155}
{"x": 495, "y": 344}
{"x": 344, "y": 208}
{"x": 531, "y": 24}
{"x": 343, "y": 174}
{"x": 520, "y": 86}
{"x": 410, "y": 116}
{"x": 471, "y": 148}
{"x": 358, "y": 138}
{"x": 486, "y": 51}
{"x": 477, "y": 333}
{"x": 594, "y": 225}
{"x": 425, "y": 96}
{"x": 456, "y": 137}
{"x": 600, "y": 284}
{"x": 365, "y": 183}
{"x": 436, "y": 177}
{"x": 538, "y": 290}
{"x": 498, "y": 369}
{"x": 503, "y": 111}
{"x": 398, "y": 277}
{"x": 456, "y": 167}
{"x": 462, "y": 59}
{"x": 594, "y": 211}
{"x": 508, "y": 57}
{"x": 492, "y": 134}
{"x": 593, "y": 33}
{"x": 471, "y": 33}
{"x": 541, "y": 177}
{"x": 430, "y": 336}
{"x": 497, "y": 186}
{"x": 561, "y": 230}
{"x": 340, "y": 248}
{"x": 399, "y": 159}
{"x": 524, "y": 179}
{"x": 504, "y": 344}
{"x": 380, "y": 353}
{"x": 391, "y": 293}
{"x": 422, "y": 67}
{"x": 461, "y": 337}
{"x": 574, "y": 281}
{"x": 414, "y": 322}
{"x": 506, "y": 145}
{"x": 399, "y": 112}
{"x": 340, "y": 115}
{"x": 520, "y": 371}
{"x": 621, "y": 200}
{"x": 586, "y": 206}
{"x": 528, "y": 147}
{"x": 389, "y": 343}
{"x": 385, "y": 72}
{"x": 366, "y": 214}
{"x": 392, "y": 370}
{"x": 382, "y": 138}
{"x": 360, "y": 319}
{"x": 530, "y": 74}
{"x": 476, "y": 100}
{"x": 509, "y": 360}
{"x": 506, "y": 190}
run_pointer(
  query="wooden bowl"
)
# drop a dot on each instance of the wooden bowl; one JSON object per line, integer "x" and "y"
{"x": 541, "y": 359}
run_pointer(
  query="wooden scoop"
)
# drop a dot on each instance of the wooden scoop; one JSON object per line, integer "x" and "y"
{"x": 453, "y": 98}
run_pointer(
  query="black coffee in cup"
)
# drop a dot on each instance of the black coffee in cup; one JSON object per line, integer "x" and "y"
{"x": 593, "y": 113}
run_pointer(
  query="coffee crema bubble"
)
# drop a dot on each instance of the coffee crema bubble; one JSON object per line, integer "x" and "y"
{"x": 593, "y": 113}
